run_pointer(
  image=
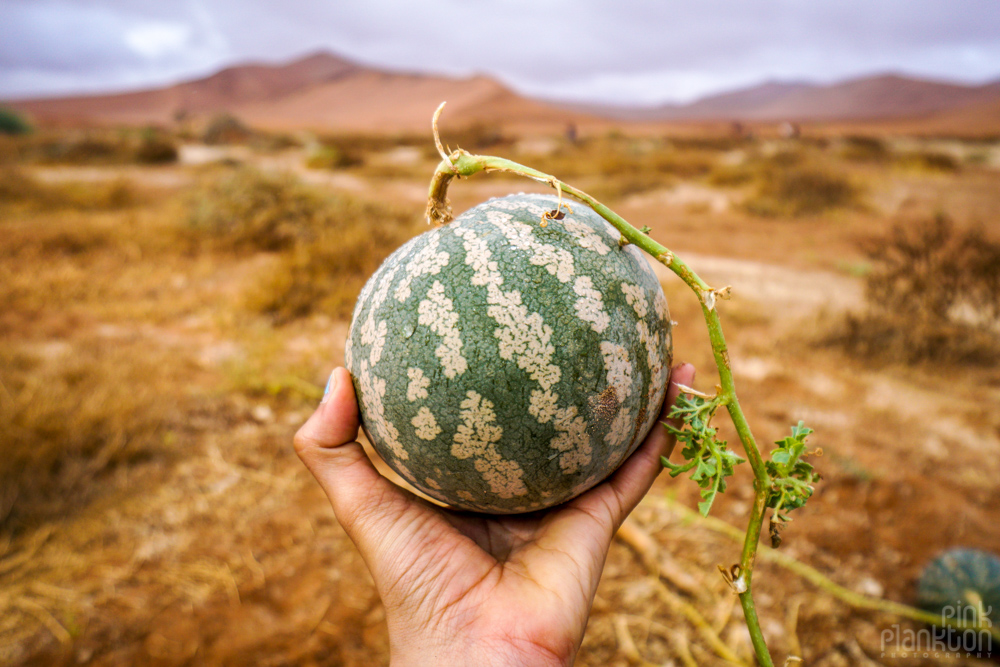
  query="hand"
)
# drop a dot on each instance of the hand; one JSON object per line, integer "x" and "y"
{"x": 462, "y": 588}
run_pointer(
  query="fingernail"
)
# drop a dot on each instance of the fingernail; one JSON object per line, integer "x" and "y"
{"x": 331, "y": 384}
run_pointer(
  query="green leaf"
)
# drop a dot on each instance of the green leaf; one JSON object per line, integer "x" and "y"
{"x": 781, "y": 456}
{"x": 706, "y": 457}
{"x": 792, "y": 478}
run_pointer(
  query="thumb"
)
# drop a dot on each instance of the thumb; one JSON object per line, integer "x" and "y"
{"x": 336, "y": 420}
{"x": 327, "y": 445}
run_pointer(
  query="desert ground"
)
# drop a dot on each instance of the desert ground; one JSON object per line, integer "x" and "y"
{"x": 168, "y": 320}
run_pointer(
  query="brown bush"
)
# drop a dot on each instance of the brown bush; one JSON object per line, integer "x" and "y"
{"x": 156, "y": 149}
{"x": 17, "y": 187}
{"x": 247, "y": 210}
{"x": 325, "y": 272}
{"x": 732, "y": 175}
{"x": 933, "y": 295}
{"x": 929, "y": 161}
{"x": 857, "y": 148}
{"x": 93, "y": 147}
{"x": 329, "y": 156}
{"x": 226, "y": 128}
{"x": 478, "y": 137}
{"x": 800, "y": 190}
{"x": 620, "y": 166}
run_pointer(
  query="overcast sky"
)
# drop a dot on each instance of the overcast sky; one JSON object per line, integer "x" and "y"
{"x": 626, "y": 51}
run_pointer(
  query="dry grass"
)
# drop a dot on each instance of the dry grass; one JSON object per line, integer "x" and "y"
{"x": 225, "y": 128}
{"x": 790, "y": 179}
{"x": 933, "y": 295}
{"x": 79, "y": 405}
{"x": 164, "y": 519}
{"x": 376, "y": 157}
{"x": 94, "y": 147}
{"x": 325, "y": 272}
{"x": 864, "y": 149}
{"x": 18, "y": 187}
{"x": 246, "y": 210}
{"x": 329, "y": 243}
{"x": 928, "y": 161}
{"x": 328, "y": 156}
{"x": 60, "y": 265}
{"x": 796, "y": 190}
{"x": 614, "y": 167}
{"x": 73, "y": 415}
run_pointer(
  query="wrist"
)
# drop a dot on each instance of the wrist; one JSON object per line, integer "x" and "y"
{"x": 416, "y": 649}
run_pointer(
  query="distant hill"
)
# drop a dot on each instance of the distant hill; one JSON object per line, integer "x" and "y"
{"x": 320, "y": 91}
{"x": 868, "y": 98}
{"x": 324, "y": 91}
{"x": 225, "y": 90}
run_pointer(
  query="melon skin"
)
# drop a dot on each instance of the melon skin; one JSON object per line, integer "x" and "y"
{"x": 505, "y": 366}
{"x": 960, "y": 583}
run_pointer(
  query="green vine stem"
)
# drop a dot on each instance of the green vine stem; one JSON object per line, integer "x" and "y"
{"x": 462, "y": 164}
{"x": 817, "y": 578}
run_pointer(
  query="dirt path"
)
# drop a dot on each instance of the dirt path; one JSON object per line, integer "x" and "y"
{"x": 797, "y": 291}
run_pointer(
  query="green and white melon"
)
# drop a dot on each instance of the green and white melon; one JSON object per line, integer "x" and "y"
{"x": 962, "y": 584}
{"x": 506, "y": 363}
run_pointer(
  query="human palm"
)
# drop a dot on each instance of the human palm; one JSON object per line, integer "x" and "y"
{"x": 463, "y": 588}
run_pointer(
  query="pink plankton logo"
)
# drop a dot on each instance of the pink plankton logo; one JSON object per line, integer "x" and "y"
{"x": 942, "y": 641}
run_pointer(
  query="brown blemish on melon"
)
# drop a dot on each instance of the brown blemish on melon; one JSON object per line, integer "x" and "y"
{"x": 604, "y": 407}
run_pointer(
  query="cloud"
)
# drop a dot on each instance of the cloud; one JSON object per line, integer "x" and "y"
{"x": 154, "y": 40}
{"x": 632, "y": 51}
{"x": 54, "y": 46}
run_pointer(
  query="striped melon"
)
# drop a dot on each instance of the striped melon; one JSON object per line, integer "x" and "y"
{"x": 504, "y": 363}
{"x": 962, "y": 584}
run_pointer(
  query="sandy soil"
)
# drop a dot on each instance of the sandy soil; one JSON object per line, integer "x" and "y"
{"x": 234, "y": 557}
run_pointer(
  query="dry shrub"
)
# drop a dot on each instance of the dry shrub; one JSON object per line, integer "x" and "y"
{"x": 110, "y": 195}
{"x": 857, "y": 148}
{"x": 329, "y": 156}
{"x": 929, "y": 161}
{"x": 933, "y": 295}
{"x": 73, "y": 415}
{"x": 478, "y": 137}
{"x": 225, "y": 128}
{"x": 620, "y": 166}
{"x": 156, "y": 149}
{"x": 626, "y": 159}
{"x": 358, "y": 146}
{"x": 247, "y": 210}
{"x": 617, "y": 187}
{"x": 732, "y": 175}
{"x": 85, "y": 149}
{"x": 325, "y": 272}
{"x": 796, "y": 190}
{"x": 13, "y": 123}
{"x": 755, "y": 166}
{"x": 367, "y": 155}
{"x": 97, "y": 147}
{"x": 711, "y": 142}
{"x": 19, "y": 188}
